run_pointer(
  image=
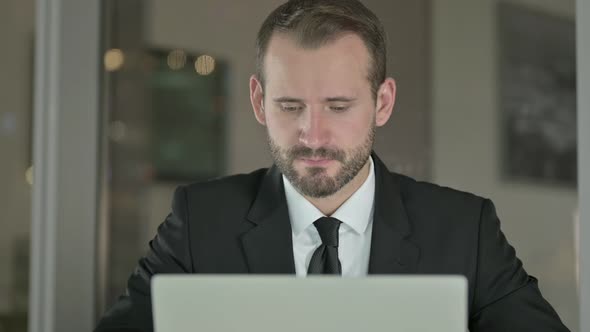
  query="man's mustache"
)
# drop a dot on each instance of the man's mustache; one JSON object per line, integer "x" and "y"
{"x": 321, "y": 153}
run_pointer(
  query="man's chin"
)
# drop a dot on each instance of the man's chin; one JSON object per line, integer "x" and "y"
{"x": 316, "y": 187}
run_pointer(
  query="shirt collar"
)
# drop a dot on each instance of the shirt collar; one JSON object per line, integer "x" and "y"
{"x": 355, "y": 212}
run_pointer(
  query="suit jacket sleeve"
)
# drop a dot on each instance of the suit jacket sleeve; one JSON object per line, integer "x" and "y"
{"x": 168, "y": 253}
{"x": 505, "y": 297}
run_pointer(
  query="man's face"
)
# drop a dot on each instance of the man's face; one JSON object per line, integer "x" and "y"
{"x": 319, "y": 112}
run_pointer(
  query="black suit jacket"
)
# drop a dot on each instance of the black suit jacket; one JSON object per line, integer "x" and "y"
{"x": 240, "y": 224}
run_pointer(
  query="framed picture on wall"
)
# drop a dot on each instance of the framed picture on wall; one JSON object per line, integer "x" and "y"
{"x": 537, "y": 95}
{"x": 188, "y": 98}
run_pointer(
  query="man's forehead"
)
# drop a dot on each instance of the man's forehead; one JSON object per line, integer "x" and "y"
{"x": 338, "y": 62}
{"x": 346, "y": 41}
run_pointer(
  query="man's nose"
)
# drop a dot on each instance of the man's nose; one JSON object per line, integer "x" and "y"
{"x": 314, "y": 129}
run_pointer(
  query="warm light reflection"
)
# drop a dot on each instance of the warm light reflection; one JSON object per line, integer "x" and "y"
{"x": 205, "y": 64}
{"x": 29, "y": 175}
{"x": 176, "y": 59}
{"x": 113, "y": 59}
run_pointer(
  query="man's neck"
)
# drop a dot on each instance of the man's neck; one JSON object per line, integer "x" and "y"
{"x": 329, "y": 205}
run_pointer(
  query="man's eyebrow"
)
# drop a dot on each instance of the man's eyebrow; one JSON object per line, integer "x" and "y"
{"x": 299, "y": 100}
{"x": 340, "y": 98}
{"x": 287, "y": 100}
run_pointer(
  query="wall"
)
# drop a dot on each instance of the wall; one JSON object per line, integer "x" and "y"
{"x": 583, "y": 53}
{"x": 537, "y": 219}
{"x": 16, "y": 58}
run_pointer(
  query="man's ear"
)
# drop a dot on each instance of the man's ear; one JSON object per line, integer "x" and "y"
{"x": 385, "y": 101}
{"x": 257, "y": 99}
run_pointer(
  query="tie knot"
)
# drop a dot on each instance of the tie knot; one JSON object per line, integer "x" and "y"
{"x": 328, "y": 229}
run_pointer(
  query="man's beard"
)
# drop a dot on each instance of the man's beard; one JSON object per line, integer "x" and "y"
{"x": 317, "y": 183}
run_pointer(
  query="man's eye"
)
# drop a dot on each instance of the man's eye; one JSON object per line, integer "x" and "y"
{"x": 338, "y": 109}
{"x": 290, "y": 108}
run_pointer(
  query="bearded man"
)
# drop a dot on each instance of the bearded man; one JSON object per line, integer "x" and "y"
{"x": 328, "y": 205}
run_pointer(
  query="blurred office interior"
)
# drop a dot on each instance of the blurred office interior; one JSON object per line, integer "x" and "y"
{"x": 486, "y": 104}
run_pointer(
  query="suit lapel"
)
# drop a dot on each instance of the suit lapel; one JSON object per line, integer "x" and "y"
{"x": 391, "y": 251}
{"x": 268, "y": 246}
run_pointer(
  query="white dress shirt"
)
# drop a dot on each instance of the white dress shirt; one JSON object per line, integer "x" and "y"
{"x": 356, "y": 215}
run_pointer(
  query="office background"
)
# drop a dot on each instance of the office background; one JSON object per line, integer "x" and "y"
{"x": 110, "y": 93}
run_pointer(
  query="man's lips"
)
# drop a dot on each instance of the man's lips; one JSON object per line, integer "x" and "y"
{"x": 315, "y": 161}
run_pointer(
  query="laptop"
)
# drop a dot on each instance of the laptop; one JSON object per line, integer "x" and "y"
{"x": 244, "y": 303}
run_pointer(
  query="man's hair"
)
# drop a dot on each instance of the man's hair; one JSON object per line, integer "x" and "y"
{"x": 314, "y": 23}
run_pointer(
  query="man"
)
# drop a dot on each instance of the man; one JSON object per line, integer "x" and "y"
{"x": 329, "y": 205}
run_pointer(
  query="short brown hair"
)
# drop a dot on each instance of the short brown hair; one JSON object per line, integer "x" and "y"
{"x": 314, "y": 23}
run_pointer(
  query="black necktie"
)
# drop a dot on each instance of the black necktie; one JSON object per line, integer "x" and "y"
{"x": 325, "y": 257}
